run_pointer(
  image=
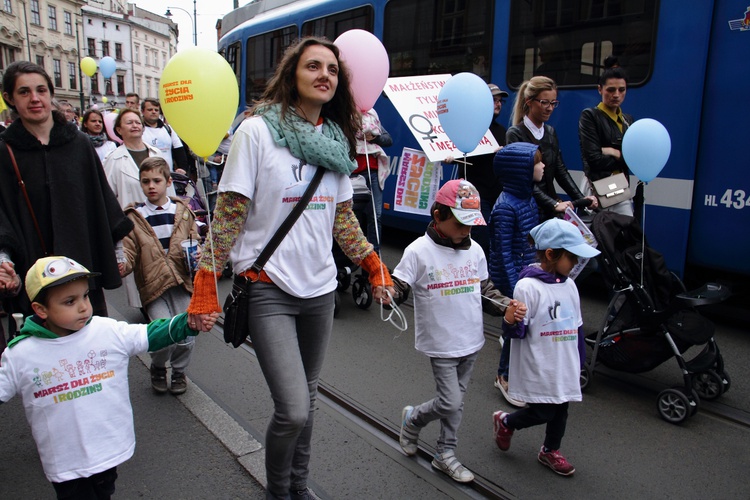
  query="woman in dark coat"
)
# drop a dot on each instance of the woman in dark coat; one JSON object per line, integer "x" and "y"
{"x": 76, "y": 213}
{"x": 535, "y": 101}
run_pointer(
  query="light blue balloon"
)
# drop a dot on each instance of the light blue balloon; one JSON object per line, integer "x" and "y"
{"x": 107, "y": 66}
{"x": 465, "y": 110}
{"x": 646, "y": 146}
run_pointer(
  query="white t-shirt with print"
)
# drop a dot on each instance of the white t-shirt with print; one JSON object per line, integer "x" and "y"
{"x": 75, "y": 393}
{"x": 446, "y": 284}
{"x": 545, "y": 365}
{"x": 163, "y": 140}
{"x": 274, "y": 180}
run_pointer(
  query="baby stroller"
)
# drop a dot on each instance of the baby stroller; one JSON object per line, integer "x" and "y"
{"x": 188, "y": 191}
{"x": 361, "y": 291}
{"x": 652, "y": 317}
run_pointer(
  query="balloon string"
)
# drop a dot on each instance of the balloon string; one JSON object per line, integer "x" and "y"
{"x": 643, "y": 230}
{"x": 209, "y": 217}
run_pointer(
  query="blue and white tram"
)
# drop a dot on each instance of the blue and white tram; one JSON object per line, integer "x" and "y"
{"x": 688, "y": 68}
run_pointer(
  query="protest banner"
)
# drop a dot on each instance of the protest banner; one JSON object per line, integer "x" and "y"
{"x": 415, "y": 98}
{"x": 417, "y": 183}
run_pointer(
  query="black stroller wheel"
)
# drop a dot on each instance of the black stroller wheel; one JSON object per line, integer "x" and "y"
{"x": 727, "y": 381}
{"x": 585, "y": 377}
{"x": 361, "y": 292}
{"x": 345, "y": 279}
{"x": 708, "y": 384}
{"x": 674, "y": 406}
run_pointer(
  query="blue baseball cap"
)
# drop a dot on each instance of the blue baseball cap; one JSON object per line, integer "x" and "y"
{"x": 558, "y": 233}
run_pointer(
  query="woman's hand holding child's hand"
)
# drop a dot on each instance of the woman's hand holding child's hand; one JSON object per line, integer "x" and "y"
{"x": 202, "y": 322}
{"x": 10, "y": 282}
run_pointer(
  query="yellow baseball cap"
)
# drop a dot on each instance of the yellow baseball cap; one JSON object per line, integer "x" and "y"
{"x": 53, "y": 271}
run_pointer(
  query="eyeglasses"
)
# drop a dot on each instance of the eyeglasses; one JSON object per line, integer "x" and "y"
{"x": 546, "y": 103}
{"x": 499, "y": 99}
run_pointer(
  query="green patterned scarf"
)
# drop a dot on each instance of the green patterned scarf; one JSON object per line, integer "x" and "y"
{"x": 329, "y": 150}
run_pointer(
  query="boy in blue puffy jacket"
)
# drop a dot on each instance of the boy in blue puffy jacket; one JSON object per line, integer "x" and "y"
{"x": 517, "y": 166}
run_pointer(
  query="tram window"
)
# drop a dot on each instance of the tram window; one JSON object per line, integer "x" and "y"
{"x": 232, "y": 55}
{"x": 263, "y": 53}
{"x": 568, "y": 41}
{"x": 332, "y": 26}
{"x": 444, "y": 36}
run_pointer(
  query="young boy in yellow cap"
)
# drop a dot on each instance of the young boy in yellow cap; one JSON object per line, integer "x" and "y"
{"x": 71, "y": 370}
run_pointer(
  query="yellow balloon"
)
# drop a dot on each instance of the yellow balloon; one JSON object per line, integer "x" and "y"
{"x": 88, "y": 66}
{"x": 199, "y": 96}
{"x": 104, "y": 99}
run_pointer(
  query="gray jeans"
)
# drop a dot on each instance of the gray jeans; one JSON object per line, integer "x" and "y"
{"x": 172, "y": 302}
{"x": 290, "y": 337}
{"x": 452, "y": 375}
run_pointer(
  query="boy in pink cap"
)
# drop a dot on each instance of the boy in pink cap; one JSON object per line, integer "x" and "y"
{"x": 447, "y": 271}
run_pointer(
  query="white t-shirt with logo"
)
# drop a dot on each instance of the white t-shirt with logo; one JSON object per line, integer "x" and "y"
{"x": 446, "y": 284}
{"x": 545, "y": 365}
{"x": 274, "y": 180}
{"x": 75, "y": 393}
{"x": 161, "y": 139}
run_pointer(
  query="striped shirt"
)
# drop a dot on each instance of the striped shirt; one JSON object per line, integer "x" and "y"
{"x": 161, "y": 220}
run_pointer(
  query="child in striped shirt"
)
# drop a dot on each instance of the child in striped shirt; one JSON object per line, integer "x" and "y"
{"x": 154, "y": 253}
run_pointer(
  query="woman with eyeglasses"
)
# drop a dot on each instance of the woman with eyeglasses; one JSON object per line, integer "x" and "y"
{"x": 535, "y": 101}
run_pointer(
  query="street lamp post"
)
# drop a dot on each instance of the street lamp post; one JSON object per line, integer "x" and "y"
{"x": 194, "y": 18}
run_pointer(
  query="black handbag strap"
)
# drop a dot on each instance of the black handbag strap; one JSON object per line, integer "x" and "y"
{"x": 288, "y": 222}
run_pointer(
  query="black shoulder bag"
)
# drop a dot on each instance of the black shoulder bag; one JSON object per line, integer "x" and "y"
{"x": 236, "y": 305}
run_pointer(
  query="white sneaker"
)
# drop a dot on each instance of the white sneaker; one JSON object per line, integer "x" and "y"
{"x": 502, "y": 384}
{"x": 448, "y": 463}
{"x": 409, "y": 436}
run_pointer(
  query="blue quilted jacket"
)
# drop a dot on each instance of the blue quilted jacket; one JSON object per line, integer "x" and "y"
{"x": 514, "y": 214}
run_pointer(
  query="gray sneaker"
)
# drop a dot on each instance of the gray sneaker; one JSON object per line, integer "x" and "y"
{"x": 409, "y": 436}
{"x": 448, "y": 463}
{"x": 159, "y": 379}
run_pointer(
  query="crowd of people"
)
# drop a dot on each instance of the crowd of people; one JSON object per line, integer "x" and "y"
{"x": 81, "y": 211}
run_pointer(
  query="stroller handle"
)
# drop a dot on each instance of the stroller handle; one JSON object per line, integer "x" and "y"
{"x": 581, "y": 202}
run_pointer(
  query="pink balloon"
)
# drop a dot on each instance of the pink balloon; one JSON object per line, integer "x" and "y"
{"x": 109, "y": 124}
{"x": 368, "y": 64}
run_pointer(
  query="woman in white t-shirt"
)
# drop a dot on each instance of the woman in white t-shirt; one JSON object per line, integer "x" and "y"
{"x": 305, "y": 120}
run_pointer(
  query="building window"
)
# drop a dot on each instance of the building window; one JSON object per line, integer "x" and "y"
{"x": 108, "y": 86}
{"x": 118, "y": 51}
{"x": 164, "y": 59}
{"x": 52, "y": 13}
{"x": 105, "y": 48}
{"x": 8, "y": 7}
{"x": 92, "y": 47}
{"x": 72, "y": 75}
{"x": 57, "y": 67}
{"x": 137, "y": 53}
{"x": 121, "y": 85}
{"x": 36, "y": 18}
{"x": 145, "y": 56}
{"x": 138, "y": 86}
{"x": 40, "y": 61}
{"x": 68, "y": 22}
{"x": 95, "y": 83}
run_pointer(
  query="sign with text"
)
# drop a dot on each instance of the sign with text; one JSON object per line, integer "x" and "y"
{"x": 416, "y": 99}
{"x": 417, "y": 183}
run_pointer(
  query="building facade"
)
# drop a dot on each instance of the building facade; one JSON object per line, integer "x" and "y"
{"x": 44, "y": 32}
{"x": 154, "y": 41}
{"x": 107, "y": 32}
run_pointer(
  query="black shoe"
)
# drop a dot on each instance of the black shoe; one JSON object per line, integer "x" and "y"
{"x": 179, "y": 383}
{"x": 159, "y": 379}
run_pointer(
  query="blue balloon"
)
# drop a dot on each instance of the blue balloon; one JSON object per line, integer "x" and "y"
{"x": 646, "y": 146}
{"x": 465, "y": 110}
{"x": 107, "y": 66}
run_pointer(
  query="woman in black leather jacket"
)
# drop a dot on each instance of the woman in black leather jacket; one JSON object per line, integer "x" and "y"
{"x": 535, "y": 101}
{"x": 600, "y": 131}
